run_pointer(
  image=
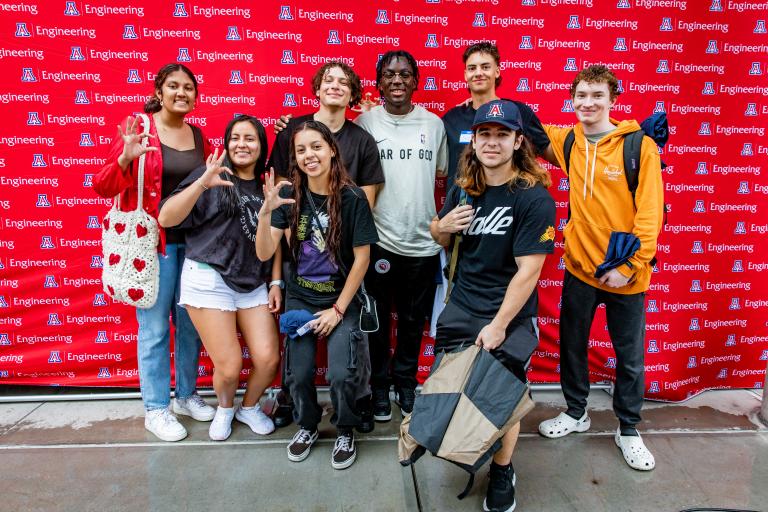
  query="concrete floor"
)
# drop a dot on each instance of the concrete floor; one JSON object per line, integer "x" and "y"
{"x": 82, "y": 456}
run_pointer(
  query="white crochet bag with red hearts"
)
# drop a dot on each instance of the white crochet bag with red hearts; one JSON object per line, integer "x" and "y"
{"x": 131, "y": 271}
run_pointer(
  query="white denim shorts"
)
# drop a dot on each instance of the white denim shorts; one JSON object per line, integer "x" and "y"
{"x": 203, "y": 287}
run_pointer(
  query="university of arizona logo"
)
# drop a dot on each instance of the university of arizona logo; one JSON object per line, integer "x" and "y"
{"x": 479, "y": 20}
{"x": 567, "y": 106}
{"x": 87, "y": 180}
{"x": 525, "y": 43}
{"x": 133, "y": 76}
{"x": 734, "y": 304}
{"x": 46, "y": 242}
{"x": 699, "y": 206}
{"x": 431, "y": 84}
{"x": 746, "y": 150}
{"x": 285, "y": 13}
{"x": 86, "y": 140}
{"x": 201, "y": 371}
{"x": 101, "y": 337}
{"x": 76, "y": 54}
{"x": 694, "y": 326}
{"x": 333, "y": 37}
{"x": 652, "y": 307}
{"x": 38, "y": 160}
{"x": 709, "y": 89}
{"x": 738, "y": 266}
{"x": 562, "y": 224}
{"x": 495, "y": 111}
{"x": 21, "y": 30}
{"x": 382, "y": 17}
{"x": 740, "y": 228}
{"x": 560, "y": 266}
{"x": 289, "y": 100}
{"x": 691, "y": 362}
{"x": 723, "y": 373}
{"x": 431, "y": 41}
{"x": 183, "y": 55}
{"x": 97, "y": 262}
{"x": 429, "y": 349}
{"x": 81, "y": 98}
{"x": 28, "y": 75}
{"x": 570, "y": 64}
{"x": 621, "y": 45}
{"x": 33, "y": 119}
{"x": 3, "y": 302}
{"x": 730, "y": 341}
{"x": 129, "y": 32}
{"x": 659, "y": 107}
{"x": 522, "y": 85}
{"x": 54, "y": 357}
{"x": 712, "y": 47}
{"x": 620, "y": 86}
{"x": 654, "y": 387}
{"x": 764, "y": 355}
{"x": 180, "y": 11}
{"x": 759, "y": 27}
{"x": 53, "y": 319}
{"x": 573, "y": 22}
{"x": 233, "y": 34}
{"x": 701, "y": 168}
{"x": 564, "y": 184}
{"x": 99, "y": 300}
{"x": 610, "y": 362}
{"x": 653, "y": 346}
{"x": 287, "y": 57}
{"x": 4, "y": 340}
{"x": 716, "y": 6}
{"x": 666, "y": 25}
{"x": 663, "y": 66}
{"x": 104, "y": 371}
{"x": 705, "y": 128}
{"x": 623, "y": 4}
{"x": 42, "y": 201}
{"x": 50, "y": 282}
{"x": 695, "y": 286}
{"x": 697, "y": 248}
{"x": 529, "y": 3}
{"x": 755, "y": 70}
{"x": 71, "y": 9}
{"x": 751, "y": 110}
{"x": 235, "y": 78}
{"x": 743, "y": 188}
{"x": 93, "y": 222}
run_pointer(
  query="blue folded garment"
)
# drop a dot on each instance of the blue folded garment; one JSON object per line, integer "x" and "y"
{"x": 290, "y": 321}
{"x": 621, "y": 247}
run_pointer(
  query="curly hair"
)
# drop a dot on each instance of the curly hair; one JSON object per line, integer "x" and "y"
{"x": 597, "y": 74}
{"x": 355, "y": 87}
{"x": 153, "y": 104}
{"x": 486, "y": 47}
{"x": 397, "y": 54}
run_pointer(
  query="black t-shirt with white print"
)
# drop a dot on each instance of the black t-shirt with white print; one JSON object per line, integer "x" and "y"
{"x": 226, "y": 243}
{"x": 316, "y": 277}
{"x": 509, "y": 222}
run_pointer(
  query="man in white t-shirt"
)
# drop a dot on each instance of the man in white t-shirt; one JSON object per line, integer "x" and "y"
{"x": 413, "y": 150}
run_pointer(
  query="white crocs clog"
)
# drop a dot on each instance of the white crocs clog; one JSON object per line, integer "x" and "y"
{"x": 635, "y": 453}
{"x": 562, "y": 425}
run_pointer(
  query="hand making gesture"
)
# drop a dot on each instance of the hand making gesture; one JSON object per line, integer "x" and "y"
{"x": 272, "y": 199}
{"x": 213, "y": 169}
{"x": 133, "y": 142}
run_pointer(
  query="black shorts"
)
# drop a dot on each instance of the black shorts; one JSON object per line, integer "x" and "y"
{"x": 456, "y": 328}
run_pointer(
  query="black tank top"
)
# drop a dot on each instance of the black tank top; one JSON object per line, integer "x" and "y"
{"x": 176, "y": 166}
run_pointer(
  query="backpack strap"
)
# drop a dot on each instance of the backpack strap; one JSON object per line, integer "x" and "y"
{"x": 570, "y": 139}
{"x": 464, "y": 198}
{"x": 632, "y": 145}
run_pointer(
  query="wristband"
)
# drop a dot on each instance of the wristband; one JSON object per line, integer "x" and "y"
{"x": 277, "y": 282}
{"x": 338, "y": 311}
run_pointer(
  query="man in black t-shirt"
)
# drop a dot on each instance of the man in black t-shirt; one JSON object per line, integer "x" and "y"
{"x": 337, "y": 87}
{"x": 481, "y": 71}
{"x": 506, "y": 233}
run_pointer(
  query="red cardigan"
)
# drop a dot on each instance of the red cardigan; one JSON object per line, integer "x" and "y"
{"x": 112, "y": 180}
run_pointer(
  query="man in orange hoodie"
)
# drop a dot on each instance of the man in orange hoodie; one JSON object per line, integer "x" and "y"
{"x": 601, "y": 203}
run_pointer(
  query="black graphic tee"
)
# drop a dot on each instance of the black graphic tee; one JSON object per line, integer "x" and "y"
{"x": 508, "y": 223}
{"x": 458, "y": 128}
{"x": 226, "y": 243}
{"x": 316, "y": 277}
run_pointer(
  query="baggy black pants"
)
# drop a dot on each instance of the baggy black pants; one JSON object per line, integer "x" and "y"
{"x": 626, "y": 327}
{"x": 408, "y": 283}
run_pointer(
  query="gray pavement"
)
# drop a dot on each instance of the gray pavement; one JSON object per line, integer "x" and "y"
{"x": 82, "y": 456}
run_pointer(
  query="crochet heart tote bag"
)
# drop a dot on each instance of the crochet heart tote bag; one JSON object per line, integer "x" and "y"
{"x": 131, "y": 271}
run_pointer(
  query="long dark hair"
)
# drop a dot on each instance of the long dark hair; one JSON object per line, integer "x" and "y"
{"x": 230, "y": 196}
{"x": 153, "y": 104}
{"x": 526, "y": 171}
{"x": 338, "y": 179}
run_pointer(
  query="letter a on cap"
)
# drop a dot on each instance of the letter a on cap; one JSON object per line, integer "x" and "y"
{"x": 495, "y": 111}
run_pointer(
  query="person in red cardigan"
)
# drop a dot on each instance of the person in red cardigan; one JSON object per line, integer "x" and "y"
{"x": 175, "y": 148}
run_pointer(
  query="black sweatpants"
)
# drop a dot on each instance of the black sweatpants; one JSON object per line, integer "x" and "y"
{"x": 626, "y": 327}
{"x": 408, "y": 283}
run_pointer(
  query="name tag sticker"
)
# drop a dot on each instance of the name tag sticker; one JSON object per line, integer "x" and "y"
{"x": 465, "y": 137}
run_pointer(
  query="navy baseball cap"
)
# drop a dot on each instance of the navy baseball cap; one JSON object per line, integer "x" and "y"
{"x": 501, "y": 112}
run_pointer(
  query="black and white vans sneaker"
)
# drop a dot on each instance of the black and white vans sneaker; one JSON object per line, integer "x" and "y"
{"x": 301, "y": 444}
{"x": 344, "y": 452}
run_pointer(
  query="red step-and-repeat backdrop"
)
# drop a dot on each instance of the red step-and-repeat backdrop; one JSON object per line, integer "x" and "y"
{"x": 72, "y": 69}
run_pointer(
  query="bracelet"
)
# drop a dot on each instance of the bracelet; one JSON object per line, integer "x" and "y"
{"x": 277, "y": 282}
{"x": 201, "y": 184}
{"x": 338, "y": 311}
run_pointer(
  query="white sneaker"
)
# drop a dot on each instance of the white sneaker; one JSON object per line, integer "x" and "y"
{"x": 255, "y": 418}
{"x": 562, "y": 425}
{"x": 164, "y": 425}
{"x": 195, "y": 407}
{"x": 221, "y": 426}
{"x": 635, "y": 453}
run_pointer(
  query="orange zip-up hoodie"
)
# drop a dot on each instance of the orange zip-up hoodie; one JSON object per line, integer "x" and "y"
{"x": 602, "y": 203}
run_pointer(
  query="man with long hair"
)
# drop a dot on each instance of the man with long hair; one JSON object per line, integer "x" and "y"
{"x": 506, "y": 233}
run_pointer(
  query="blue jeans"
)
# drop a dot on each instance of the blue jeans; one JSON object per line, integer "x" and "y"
{"x": 154, "y": 345}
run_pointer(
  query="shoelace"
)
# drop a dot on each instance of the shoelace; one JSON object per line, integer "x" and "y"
{"x": 343, "y": 443}
{"x": 302, "y": 436}
{"x": 166, "y": 416}
{"x": 196, "y": 400}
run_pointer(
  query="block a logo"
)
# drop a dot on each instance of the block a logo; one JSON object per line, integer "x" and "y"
{"x": 764, "y": 355}
{"x": 529, "y": 3}
{"x": 101, "y": 337}
{"x": 33, "y": 119}
{"x": 3, "y": 303}
{"x": 620, "y": 86}
{"x": 705, "y": 128}
{"x": 28, "y": 75}
{"x": 81, "y": 98}
{"x": 99, "y": 300}
{"x": 333, "y": 37}
{"x": 525, "y": 43}
{"x": 21, "y": 30}
{"x": 201, "y": 372}
{"x": 730, "y": 340}
{"x": 740, "y": 228}
{"x": 610, "y": 362}
{"x": 751, "y": 110}
{"x": 699, "y": 206}
{"x": 38, "y": 160}
{"x": 184, "y": 55}
{"x": 285, "y": 13}
{"x": 723, "y": 374}
{"x": 709, "y": 89}
{"x": 663, "y": 66}
{"x": 53, "y": 319}
{"x": 652, "y": 307}
{"x": 97, "y": 262}
{"x": 42, "y": 201}
{"x": 522, "y": 85}
{"x": 129, "y": 32}
{"x": 233, "y": 34}
{"x": 570, "y": 64}
{"x": 235, "y": 78}
{"x": 760, "y": 27}
{"x": 382, "y": 17}
{"x": 697, "y": 248}
{"x": 659, "y": 107}
{"x": 86, "y": 140}
{"x": 747, "y": 149}
{"x": 567, "y": 106}
{"x": 743, "y": 188}
{"x": 88, "y": 180}
{"x": 755, "y": 70}
{"x": 716, "y": 6}
{"x": 180, "y": 11}
{"x": 573, "y": 22}
{"x": 701, "y": 168}
{"x": 653, "y": 347}
{"x": 46, "y": 242}
{"x": 623, "y": 4}
{"x": 4, "y": 340}
{"x": 691, "y": 362}
{"x": 430, "y": 84}
{"x": 561, "y": 266}
{"x": 695, "y": 286}
{"x": 71, "y": 9}
{"x": 429, "y": 349}
{"x": 104, "y": 371}
{"x": 564, "y": 184}
{"x": 93, "y": 222}
{"x": 694, "y": 326}
{"x": 76, "y": 54}
{"x": 50, "y": 282}
{"x": 54, "y": 357}
{"x": 666, "y": 25}
{"x": 738, "y": 266}
{"x": 712, "y": 47}
{"x": 562, "y": 224}
{"x": 654, "y": 387}
{"x": 287, "y": 57}
{"x": 133, "y": 76}
{"x": 479, "y": 20}
{"x": 431, "y": 41}
{"x": 289, "y": 100}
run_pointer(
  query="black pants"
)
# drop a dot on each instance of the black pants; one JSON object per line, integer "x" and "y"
{"x": 344, "y": 370}
{"x": 408, "y": 283}
{"x": 626, "y": 326}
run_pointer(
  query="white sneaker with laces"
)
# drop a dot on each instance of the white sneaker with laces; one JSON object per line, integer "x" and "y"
{"x": 195, "y": 407}
{"x": 562, "y": 425}
{"x": 164, "y": 425}
{"x": 255, "y": 418}
{"x": 221, "y": 426}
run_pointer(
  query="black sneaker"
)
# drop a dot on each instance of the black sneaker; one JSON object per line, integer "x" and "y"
{"x": 282, "y": 416}
{"x": 382, "y": 409}
{"x": 301, "y": 444}
{"x": 344, "y": 452}
{"x": 365, "y": 409}
{"x": 501, "y": 489}
{"x": 405, "y": 399}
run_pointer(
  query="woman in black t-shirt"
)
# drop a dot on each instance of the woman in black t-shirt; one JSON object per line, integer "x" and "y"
{"x": 330, "y": 228}
{"x": 224, "y": 287}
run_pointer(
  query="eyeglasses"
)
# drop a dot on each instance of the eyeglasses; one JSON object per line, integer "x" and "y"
{"x": 404, "y": 75}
